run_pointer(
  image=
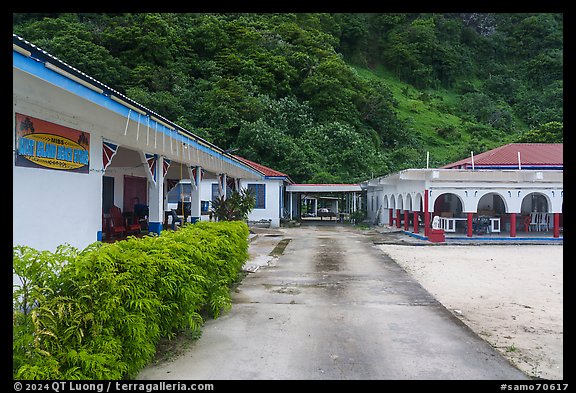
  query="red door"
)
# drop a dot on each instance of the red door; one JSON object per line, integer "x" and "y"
{"x": 134, "y": 192}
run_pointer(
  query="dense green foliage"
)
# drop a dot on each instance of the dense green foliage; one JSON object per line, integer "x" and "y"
{"x": 328, "y": 97}
{"x": 235, "y": 207}
{"x": 100, "y": 312}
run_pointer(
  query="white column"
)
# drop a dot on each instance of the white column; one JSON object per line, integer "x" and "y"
{"x": 291, "y": 196}
{"x": 224, "y": 182}
{"x": 156, "y": 199}
{"x": 195, "y": 195}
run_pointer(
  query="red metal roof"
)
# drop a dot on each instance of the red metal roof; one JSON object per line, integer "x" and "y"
{"x": 263, "y": 169}
{"x": 531, "y": 155}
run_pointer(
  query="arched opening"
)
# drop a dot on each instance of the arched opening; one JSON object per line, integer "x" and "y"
{"x": 448, "y": 207}
{"x": 491, "y": 204}
{"x": 399, "y": 211}
{"x": 382, "y": 213}
{"x": 491, "y": 213}
{"x": 534, "y": 202}
{"x": 408, "y": 202}
{"x": 535, "y": 214}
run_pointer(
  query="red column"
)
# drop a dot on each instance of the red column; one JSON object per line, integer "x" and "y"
{"x": 390, "y": 217}
{"x": 426, "y": 215}
{"x": 512, "y": 224}
{"x": 556, "y": 224}
{"x": 469, "y": 221}
{"x": 415, "y": 222}
{"x": 406, "y": 220}
{"x": 398, "y": 220}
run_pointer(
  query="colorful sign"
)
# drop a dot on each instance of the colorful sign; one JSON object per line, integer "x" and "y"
{"x": 42, "y": 144}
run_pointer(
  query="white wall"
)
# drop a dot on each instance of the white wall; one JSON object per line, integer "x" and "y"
{"x": 51, "y": 205}
{"x": 272, "y": 204}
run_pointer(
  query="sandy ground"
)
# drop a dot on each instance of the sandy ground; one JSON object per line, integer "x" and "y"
{"x": 510, "y": 295}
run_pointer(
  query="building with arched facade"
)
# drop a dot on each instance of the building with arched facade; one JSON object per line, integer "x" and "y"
{"x": 491, "y": 194}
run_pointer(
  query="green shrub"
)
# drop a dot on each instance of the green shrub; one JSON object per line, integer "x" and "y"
{"x": 99, "y": 313}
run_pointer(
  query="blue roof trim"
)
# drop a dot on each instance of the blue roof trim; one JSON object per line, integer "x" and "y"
{"x": 35, "y": 65}
{"x": 276, "y": 177}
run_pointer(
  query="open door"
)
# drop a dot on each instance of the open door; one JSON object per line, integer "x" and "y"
{"x": 134, "y": 192}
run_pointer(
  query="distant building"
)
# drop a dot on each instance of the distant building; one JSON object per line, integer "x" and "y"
{"x": 269, "y": 191}
{"x": 516, "y": 188}
{"x": 540, "y": 156}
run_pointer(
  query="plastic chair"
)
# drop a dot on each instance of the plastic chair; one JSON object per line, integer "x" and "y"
{"x": 134, "y": 226}
{"x": 526, "y": 223}
{"x": 544, "y": 222}
{"x": 534, "y": 222}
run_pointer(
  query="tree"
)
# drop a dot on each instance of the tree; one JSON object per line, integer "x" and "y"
{"x": 552, "y": 132}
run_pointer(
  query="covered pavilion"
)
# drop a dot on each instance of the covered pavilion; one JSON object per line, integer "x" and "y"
{"x": 517, "y": 188}
{"x": 341, "y": 200}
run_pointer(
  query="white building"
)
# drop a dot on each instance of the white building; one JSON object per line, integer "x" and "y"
{"x": 269, "y": 191}
{"x": 80, "y": 147}
{"x": 515, "y": 188}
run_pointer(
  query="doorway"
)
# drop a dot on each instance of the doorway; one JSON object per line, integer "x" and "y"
{"x": 134, "y": 192}
{"x": 107, "y": 193}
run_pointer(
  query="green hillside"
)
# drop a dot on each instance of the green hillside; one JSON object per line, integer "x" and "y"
{"x": 328, "y": 97}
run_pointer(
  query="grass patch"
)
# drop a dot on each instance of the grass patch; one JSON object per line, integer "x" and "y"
{"x": 425, "y": 111}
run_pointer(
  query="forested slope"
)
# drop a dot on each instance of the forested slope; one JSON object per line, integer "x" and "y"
{"x": 328, "y": 97}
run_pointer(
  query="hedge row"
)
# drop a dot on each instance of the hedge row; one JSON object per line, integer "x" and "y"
{"x": 99, "y": 313}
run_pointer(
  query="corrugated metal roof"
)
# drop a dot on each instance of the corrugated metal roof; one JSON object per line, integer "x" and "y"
{"x": 531, "y": 155}
{"x": 22, "y": 46}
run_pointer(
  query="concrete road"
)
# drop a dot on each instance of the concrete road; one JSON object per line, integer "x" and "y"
{"x": 333, "y": 306}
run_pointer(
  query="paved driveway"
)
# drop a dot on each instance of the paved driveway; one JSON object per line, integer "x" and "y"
{"x": 333, "y": 306}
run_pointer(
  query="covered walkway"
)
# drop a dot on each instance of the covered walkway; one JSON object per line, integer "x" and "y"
{"x": 324, "y": 202}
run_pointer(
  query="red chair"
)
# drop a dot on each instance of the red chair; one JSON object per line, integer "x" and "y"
{"x": 117, "y": 223}
{"x": 527, "y": 220}
{"x": 133, "y": 227}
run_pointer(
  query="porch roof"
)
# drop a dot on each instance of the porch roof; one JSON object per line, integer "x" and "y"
{"x": 35, "y": 61}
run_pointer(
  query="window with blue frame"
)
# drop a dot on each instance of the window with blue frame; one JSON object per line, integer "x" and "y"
{"x": 215, "y": 191}
{"x": 259, "y": 192}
